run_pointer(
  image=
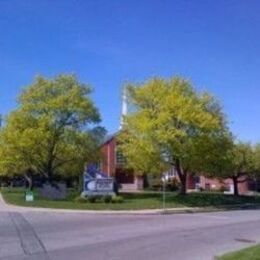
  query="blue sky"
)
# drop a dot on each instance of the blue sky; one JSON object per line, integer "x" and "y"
{"x": 215, "y": 44}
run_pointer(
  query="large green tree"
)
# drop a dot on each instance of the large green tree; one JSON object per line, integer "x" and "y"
{"x": 53, "y": 129}
{"x": 174, "y": 126}
{"x": 236, "y": 162}
{"x": 243, "y": 163}
{"x": 256, "y": 151}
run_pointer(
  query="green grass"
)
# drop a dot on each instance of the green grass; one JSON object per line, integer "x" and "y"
{"x": 251, "y": 253}
{"x": 132, "y": 201}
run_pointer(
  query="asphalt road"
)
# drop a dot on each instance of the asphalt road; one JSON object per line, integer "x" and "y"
{"x": 26, "y": 234}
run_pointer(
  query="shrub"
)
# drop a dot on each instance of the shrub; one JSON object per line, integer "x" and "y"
{"x": 107, "y": 198}
{"x": 172, "y": 185}
{"x": 80, "y": 199}
{"x": 117, "y": 199}
{"x": 156, "y": 184}
{"x": 92, "y": 199}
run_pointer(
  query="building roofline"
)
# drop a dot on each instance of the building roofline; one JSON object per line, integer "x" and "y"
{"x": 108, "y": 138}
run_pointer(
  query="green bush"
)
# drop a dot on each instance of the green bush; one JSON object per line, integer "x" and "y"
{"x": 91, "y": 199}
{"x": 80, "y": 199}
{"x": 107, "y": 198}
{"x": 172, "y": 185}
{"x": 117, "y": 199}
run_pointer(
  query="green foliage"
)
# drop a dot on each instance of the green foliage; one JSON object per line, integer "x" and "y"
{"x": 256, "y": 159}
{"x": 134, "y": 201}
{"x": 92, "y": 198}
{"x": 80, "y": 199}
{"x": 173, "y": 125}
{"x": 50, "y": 131}
{"x": 117, "y": 199}
{"x": 236, "y": 161}
{"x": 107, "y": 198}
{"x": 239, "y": 160}
{"x": 98, "y": 199}
{"x": 242, "y": 158}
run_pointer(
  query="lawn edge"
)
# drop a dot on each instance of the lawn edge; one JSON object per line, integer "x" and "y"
{"x": 158, "y": 211}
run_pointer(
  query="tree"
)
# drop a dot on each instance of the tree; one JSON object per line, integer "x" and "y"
{"x": 237, "y": 163}
{"x": 256, "y": 151}
{"x": 140, "y": 154}
{"x": 53, "y": 129}
{"x": 241, "y": 163}
{"x": 172, "y": 126}
{"x": 256, "y": 161}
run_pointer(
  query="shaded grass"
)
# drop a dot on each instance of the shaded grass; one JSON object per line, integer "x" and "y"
{"x": 132, "y": 201}
{"x": 251, "y": 253}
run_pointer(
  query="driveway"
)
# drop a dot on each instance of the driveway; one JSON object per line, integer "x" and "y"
{"x": 33, "y": 234}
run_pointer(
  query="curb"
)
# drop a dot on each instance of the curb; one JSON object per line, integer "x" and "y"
{"x": 167, "y": 211}
{"x": 246, "y": 206}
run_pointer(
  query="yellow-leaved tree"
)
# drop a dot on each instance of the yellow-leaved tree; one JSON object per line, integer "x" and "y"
{"x": 53, "y": 130}
{"x": 172, "y": 126}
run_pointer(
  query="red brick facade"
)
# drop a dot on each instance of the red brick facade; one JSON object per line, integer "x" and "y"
{"x": 112, "y": 167}
{"x": 108, "y": 162}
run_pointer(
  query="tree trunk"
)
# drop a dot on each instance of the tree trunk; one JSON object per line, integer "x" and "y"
{"x": 80, "y": 183}
{"x": 183, "y": 190}
{"x": 29, "y": 180}
{"x": 235, "y": 182}
{"x": 146, "y": 182}
{"x": 49, "y": 171}
{"x": 182, "y": 176}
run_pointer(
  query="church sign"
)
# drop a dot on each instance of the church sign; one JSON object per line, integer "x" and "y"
{"x": 96, "y": 183}
{"x": 104, "y": 185}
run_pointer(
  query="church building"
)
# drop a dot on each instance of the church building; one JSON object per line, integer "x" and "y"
{"x": 113, "y": 164}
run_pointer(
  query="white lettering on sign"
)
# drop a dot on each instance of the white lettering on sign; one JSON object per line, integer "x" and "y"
{"x": 104, "y": 184}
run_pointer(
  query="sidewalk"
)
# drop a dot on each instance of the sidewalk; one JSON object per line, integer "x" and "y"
{"x": 4, "y": 207}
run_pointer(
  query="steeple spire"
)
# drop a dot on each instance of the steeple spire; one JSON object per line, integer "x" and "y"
{"x": 124, "y": 108}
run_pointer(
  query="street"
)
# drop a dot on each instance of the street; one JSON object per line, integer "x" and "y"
{"x": 32, "y": 234}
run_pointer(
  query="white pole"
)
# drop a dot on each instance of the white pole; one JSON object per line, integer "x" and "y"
{"x": 164, "y": 181}
{"x": 124, "y": 108}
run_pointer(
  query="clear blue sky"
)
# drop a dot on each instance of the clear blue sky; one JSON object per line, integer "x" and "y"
{"x": 216, "y": 44}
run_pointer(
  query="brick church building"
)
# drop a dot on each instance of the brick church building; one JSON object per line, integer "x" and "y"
{"x": 113, "y": 164}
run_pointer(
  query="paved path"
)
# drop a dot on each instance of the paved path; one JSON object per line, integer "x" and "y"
{"x": 31, "y": 234}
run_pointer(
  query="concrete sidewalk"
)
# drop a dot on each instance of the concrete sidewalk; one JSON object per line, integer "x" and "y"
{"x": 4, "y": 207}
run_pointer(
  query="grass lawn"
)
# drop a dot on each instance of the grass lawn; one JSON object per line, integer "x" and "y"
{"x": 251, "y": 253}
{"x": 132, "y": 201}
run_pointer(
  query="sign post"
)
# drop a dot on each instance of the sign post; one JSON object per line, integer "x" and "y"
{"x": 29, "y": 196}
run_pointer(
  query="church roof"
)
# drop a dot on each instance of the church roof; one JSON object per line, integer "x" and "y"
{"x": 108, "y": 138}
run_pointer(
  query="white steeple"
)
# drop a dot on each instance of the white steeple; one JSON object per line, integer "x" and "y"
{"x": 124, "y": 108}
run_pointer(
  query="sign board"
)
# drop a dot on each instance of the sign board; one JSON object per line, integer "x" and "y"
{"x": 104, "y": 185}
{"x": 99, "y": 186}
{"x": 29, "y": 197}
{"x": 96, "y": 182}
